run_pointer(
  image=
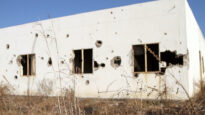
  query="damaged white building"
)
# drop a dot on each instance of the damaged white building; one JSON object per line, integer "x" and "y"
{"x": 149, "y": 50}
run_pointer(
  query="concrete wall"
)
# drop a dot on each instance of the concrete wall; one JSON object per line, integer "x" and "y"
{"x": 119, "y": 28}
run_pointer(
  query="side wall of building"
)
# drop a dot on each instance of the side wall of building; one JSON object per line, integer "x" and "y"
{"x": 196, "y": 50}
{"x": 118, "y": 29}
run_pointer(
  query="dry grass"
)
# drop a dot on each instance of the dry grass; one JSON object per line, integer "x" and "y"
{"x": 25, "y": 105}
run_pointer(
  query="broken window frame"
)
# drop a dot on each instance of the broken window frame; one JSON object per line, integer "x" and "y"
{"x": 82, "y": 63}
{"x": 29, "y": 72}
{"x": 145, "y": 58}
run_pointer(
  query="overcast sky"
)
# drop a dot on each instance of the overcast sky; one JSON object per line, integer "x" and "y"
{"x": 15, "y": 12}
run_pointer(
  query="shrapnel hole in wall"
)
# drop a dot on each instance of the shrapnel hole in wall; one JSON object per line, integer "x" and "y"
{"x": 116, "y": 61}
{"x": 36, "y": 35}
{"x": 98, "y": 43}
{"x": 7, "y": 46}
{"x": 49, "y": 61}
{"x": 171, "y": 58}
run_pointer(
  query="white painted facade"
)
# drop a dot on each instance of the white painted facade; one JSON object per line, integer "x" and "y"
{"x": 170, "y": 23}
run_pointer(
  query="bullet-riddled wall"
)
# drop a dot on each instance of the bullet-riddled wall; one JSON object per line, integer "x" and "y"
{"x": 135, "y": 51}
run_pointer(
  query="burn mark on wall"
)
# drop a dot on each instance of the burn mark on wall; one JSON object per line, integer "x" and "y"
{"x": 116, "y": 61}
{"x": 49, "y": 61}
{"x": 98, "y": 43}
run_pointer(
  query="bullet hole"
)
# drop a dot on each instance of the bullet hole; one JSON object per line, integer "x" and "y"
{"x": 48, "y": 35}
{"x": 11, "y": 62}
{"x": 96, "y": 65}
{"x": 139, "y": 40}
{"x": 111, "y": 12}
{"x": 98, "y": 43}
{"x": 82, "y": 76}
{"x": 36, "y": 35}
{"x": 112, "y": 51}
{"x": 62, "y": 62}
{"x": 136, "y": 75}
{"x": 49, "y": 61}
{"x": 107, "y": 58}
{"x": 102, "y": 65}
{"x": 42, "y": 58}
{"x": 14, "y": 55}
{"x": 116, "y": 61}
{"x": 165, "y": 34}
{"x": 180, "y": 42}
{"x": 16, "y": 77}
{"x": 7, "y": 46}
{"x": 67, "y": 35}
{"x": 87, "y": 82}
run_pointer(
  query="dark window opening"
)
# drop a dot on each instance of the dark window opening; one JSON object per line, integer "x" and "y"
{"x": 24, "y": 64}
{"x": 152, "y": 57}
{"x": 78, "y": 61}
{"x": 83, "y": 61}
{"x": 146, "y": 62}
{"x": 88, "y": 59}
{"x": 28, "y": 64}
{"x": 139, "y": 58}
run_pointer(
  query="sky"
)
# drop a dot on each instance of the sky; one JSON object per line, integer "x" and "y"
{"x": 16, "y": 12}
